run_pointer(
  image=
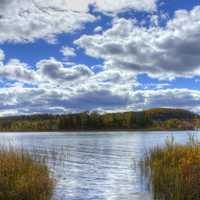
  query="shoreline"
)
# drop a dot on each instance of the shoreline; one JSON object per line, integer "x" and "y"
{"x": 106, "y": 131}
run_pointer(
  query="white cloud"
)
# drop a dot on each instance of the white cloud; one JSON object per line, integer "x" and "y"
{"x": 119, "y": 5}
{"x": 98, "y": 29}
{"x": 26, "y": 21}
{"x": 52, "y": 87}
{"x": 154, "y": 20}
{"x": 53, "y": 70}
{"x": 56, "y": 88}
{"x": 61, "y": 89}
{"x": 45, "y": 71}
{"x": 127, "y": 49}
{"x": 59, "y": 100}
{"x": 16, "y": 71}
{"x": 68, "y": 51}
{"x": 162, "y": 52}
{"x": 111, "y": 6}
{"x": 177, "y": 98}
{"x": 2, "y": 55}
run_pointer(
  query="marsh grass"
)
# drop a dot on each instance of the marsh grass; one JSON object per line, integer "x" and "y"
{"x": 174, "y": 170}
{"x": 22, "y": 177}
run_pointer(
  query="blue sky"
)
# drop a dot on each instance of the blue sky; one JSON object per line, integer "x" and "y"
{"x": 64, "y": 56}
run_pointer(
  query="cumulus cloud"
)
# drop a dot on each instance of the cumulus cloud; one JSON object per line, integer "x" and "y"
{"x": 51, "y": 87}
{"x": 54, "y": 70}
{"x": 127, "y": 49}
{"x": 177, "y": 98}
{"x": 16, "y": 71}
{"x": 111, "y": 6}
{"x": 2, "y": 55}
{"x": 119, "y": 5}
{"x": 68, "y": 51}
{"x": 57, "y": 100}
{"x": 61, "y": 89}
{"x": 98, "y": 29}
{"x": 46, "y": 71}
{"x": 162, "y": 52}
{"x": 26, "y": 21}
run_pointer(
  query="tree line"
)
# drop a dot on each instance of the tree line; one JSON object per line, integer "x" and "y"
{"x": 155, "y": 119}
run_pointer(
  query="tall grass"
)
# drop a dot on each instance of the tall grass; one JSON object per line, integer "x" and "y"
{"x": 174, "y": 171}
{"x": 22, "y": 178}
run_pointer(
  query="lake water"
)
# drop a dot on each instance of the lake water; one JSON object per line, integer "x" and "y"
{"x": 95, "y": 166}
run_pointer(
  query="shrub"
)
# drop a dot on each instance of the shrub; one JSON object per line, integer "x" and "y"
{"x": 174, "y": 171}
{"x": 22, "y": 178}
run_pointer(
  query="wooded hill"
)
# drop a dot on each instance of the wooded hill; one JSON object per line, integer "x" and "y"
{"x": 154, "y": 119}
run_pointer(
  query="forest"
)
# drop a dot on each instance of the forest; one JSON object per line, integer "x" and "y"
{"x": 154, "y": 119}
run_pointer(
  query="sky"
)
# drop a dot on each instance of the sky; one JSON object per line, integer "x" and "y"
{"x": 63, "y": 56}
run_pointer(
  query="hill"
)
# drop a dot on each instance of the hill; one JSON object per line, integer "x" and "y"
{"x": 153, "y": 119}
{"x": 162, "y": 114}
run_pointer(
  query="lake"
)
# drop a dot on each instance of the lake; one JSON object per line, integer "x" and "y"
{"x": 95, "y": 165}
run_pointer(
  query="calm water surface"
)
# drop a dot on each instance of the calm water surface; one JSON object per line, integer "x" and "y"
{"x": 95, "y": 166}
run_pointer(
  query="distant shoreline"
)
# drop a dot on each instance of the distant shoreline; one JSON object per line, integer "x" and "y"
{"x": 160, "y": 119}
{"x": 112, "y": 130}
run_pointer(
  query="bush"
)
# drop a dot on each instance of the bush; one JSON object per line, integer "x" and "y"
{"x": 174, "y": 171}
{"x": 21, "y": 178}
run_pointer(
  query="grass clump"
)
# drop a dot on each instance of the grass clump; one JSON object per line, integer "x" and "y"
{"x": 174, "y": 171}
{"x": 22, "y": 178}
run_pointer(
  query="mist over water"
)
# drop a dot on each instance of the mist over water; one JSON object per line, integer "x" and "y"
{"x": 94, "y": 165}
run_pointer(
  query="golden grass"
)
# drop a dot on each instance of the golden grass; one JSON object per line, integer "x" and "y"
{"x": 21, "y": 178}
{"x": 174, "y": 171}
